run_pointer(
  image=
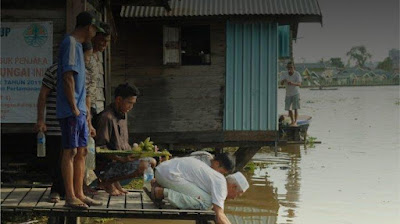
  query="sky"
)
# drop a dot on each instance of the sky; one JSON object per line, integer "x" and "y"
{"x": 348, "y": 23}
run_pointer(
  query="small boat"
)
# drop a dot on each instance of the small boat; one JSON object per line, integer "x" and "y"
{"x": 294, "y": 133}
{"x": 302, "y": 120}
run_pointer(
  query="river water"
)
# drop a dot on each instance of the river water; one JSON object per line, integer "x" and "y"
{"x": 352, "y": 177}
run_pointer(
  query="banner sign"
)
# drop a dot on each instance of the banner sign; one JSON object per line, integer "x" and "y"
{"x": 26, "y": 53}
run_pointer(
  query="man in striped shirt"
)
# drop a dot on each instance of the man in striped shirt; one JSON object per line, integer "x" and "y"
{"x": 47, "y": 98}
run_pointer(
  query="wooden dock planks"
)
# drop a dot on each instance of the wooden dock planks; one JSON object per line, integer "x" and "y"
{"x": 117, "y": 202}
{"x": 134, "y": 199}
{"x": 136, "y": 204}
{"x": 15, "y": 197}
{"x": 5, "y": 192}
{"x": 33, "y": 197}
{"x": 44, "y": 201}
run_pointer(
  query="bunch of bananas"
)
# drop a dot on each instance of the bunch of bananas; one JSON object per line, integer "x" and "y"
{"x": 146, "y": 145}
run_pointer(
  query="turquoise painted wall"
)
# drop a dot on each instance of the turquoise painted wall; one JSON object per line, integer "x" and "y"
{"x": 251, "y": 77}
{"x": 283, "y": 41}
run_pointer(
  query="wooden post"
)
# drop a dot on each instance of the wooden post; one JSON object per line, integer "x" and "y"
{"x": 202, "y": 221}
{"x": 56, "y": 219}
{"x": 107, "y": 63}
{"x": 72, "y": 220}
{"x": 276, "y": 144}
{"x": 63, "y": 220}
{"x": 243, "y": 156}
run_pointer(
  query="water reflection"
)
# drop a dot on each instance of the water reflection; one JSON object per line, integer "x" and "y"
{"x": 275, "y": 186}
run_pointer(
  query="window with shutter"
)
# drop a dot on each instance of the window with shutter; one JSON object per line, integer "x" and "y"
{"x": 171, "y": 45}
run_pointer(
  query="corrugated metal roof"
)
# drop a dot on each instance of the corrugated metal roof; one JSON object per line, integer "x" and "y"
{"x": 181, "y": 8}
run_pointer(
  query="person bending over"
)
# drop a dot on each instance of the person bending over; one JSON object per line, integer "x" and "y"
{"x": 188, "y": 183}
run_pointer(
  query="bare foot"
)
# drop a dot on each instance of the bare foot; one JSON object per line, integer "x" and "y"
{"x": 111, "y": 189}
{"x": 120, "y": 188}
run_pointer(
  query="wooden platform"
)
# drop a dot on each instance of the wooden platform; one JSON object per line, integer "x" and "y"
{"x": 135, "y": 204}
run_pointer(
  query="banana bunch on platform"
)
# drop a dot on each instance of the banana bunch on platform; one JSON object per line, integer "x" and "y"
{"x": 146, "y": 145}
{"x": 141, "y": 150}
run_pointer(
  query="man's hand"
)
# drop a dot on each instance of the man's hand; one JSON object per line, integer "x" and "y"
{"x": 123, "y": 159}
{"x": 76, "y": 111}
{"x": 220, "y": 215}
{"x": 294, "y": 84}
{"x": 41, "y": 105}
{"x": 131, "y": 158}
{"x": 40, "y": 126}
{"x": 289, "y": 83}
{"x": 92, "y": 131}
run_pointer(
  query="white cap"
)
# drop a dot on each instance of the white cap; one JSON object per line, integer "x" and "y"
{"x": 241, "y": 180}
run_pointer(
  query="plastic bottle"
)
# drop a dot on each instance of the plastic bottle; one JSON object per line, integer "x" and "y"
{"x": 41, "y": 144}
{"x": 148, "y": 175}
{"x": 91, "y": 155}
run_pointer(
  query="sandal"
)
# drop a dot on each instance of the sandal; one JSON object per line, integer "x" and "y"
{"x": 92, "y": 202}
{"x": 75, "y": 203}
{"x": 54, "y": 197}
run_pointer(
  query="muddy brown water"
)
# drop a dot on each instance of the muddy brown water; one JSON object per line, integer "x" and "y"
{"x": 352, "y": 177}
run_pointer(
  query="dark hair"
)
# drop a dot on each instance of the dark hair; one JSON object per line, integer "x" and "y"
{"x": 83, "y": 19}
{"x": 290, "y": 63}
{"x": 125, "y": 91}
{"x": 106, "y": 28}
{"x": 227, "y": 161}
{"x": 86, "y": 18}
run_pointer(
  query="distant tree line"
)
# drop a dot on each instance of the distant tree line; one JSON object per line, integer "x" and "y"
{"x": 386, "y": 64}
{"x": 359, "y": 55}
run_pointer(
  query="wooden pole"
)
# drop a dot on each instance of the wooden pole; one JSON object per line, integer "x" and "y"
{"x": 107, "y": 61}
{"x": 244, "y": 155}
{"x": 56, "y": 219}
{"x": 72, "y": 220}
{"x": 202, "y": 221}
